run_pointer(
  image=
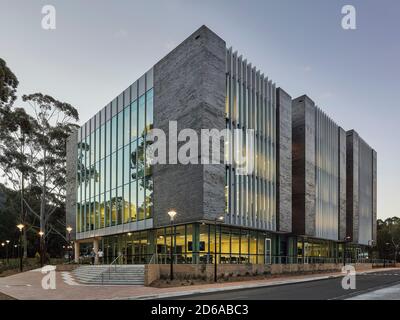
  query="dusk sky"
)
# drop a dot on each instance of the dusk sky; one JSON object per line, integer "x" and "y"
{"x": 100, "y": 47}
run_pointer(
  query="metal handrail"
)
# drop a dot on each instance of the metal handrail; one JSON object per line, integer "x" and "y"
{"x": 109, "y": 268}
{"x": 154, "y": 256}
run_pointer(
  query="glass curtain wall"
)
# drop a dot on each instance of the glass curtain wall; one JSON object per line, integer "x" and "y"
{"x": 192, "y": 243}
{"x": 114, "y": 180}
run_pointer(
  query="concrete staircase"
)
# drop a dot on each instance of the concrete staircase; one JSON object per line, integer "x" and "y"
{"x": 131, "y": 274}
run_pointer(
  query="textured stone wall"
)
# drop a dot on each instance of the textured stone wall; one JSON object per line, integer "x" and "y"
{"x": 352, "y": 142}
{"x": 70, "y": 206}
{"x": 284, "y": 159}
{"x": 303, "y": 135}
{"x": 189, "y": 87}
{"x": 342, "y": 184}
{"x": 310, "y": 213}
{"x": 298, "y": 166}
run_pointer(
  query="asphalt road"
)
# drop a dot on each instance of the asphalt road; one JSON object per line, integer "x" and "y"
{"x": 314, "y": 290}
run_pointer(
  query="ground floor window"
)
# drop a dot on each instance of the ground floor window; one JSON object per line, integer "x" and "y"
{"x": 206, "y": 243}
{"x": 191, "y": 243}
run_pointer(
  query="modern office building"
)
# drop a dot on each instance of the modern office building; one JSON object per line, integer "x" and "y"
{"x": 334, "y": 186}
{"x": 118, "y": 199}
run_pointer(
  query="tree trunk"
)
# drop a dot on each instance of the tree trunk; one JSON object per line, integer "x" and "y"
{"x": 23, "y": 216}
{"x": 43, "y": 205}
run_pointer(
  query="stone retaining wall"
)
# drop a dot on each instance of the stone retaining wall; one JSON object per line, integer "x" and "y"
{"x": 206, "y": 272}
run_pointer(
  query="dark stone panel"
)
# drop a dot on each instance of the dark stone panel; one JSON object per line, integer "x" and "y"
{"x": 189, "y": 87}
{"x": 303, "y": 137}
{"x": 298, "y": 166}
{"x": 284, "y": 161}
{"x": 352, "y": 185}
{"x": 310, "y": 191}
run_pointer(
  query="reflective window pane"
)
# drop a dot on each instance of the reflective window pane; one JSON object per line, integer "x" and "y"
{"x": 120, "y": 130}
{"x": 126, "y": 201}
{"x": 120, "y": 167}
{"x": 133, "y": 201}
{"x": 149, "y": 109}
{"x": 134, "y": 120}
{"x": 141, "y": 115}
{"x": 114, "y": 127}
{"x": 127, "y": 125}
{"x": 140, "y": 198}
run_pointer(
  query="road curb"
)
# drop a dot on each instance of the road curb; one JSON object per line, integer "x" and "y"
{"x": 231, "y": 288}
{"x": 240, "y": 287}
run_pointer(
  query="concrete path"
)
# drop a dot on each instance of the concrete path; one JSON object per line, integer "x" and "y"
{"x": 28, "y": 286}
{"x": 389, "y": 293}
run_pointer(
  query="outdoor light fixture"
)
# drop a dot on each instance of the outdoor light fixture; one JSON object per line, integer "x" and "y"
{"x": 20, "y": 227}
{"x": 41, "y": 234}
{"x": 69, "y": 229}
{"x": 6, "y": 245}
{"x": 217, "y": 219}
{"x": 172, "y": 214}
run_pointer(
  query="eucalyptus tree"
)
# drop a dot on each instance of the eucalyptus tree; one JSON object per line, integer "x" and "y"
{"x": 33, "y": 154}
{"x": 54, "y": 122}
{"x": 16, "y": 167}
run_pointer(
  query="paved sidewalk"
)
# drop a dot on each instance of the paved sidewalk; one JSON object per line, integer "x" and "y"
{"x": 389, "y": 293}
{"x": 27, "y": 286}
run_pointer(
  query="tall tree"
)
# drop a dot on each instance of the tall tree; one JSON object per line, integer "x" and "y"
{"x": 33, "y": 154}
{"x": 54, "y": 122}
{"x": 15, "y": 157}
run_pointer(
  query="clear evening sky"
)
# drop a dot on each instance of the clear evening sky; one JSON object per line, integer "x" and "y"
{"x": 100, "y": 47}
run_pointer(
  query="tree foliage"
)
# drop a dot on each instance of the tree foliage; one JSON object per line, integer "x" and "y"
{"x": 8, "y": 85}
{"x": 388, "y": 238}
{"x": 33, "y": 156}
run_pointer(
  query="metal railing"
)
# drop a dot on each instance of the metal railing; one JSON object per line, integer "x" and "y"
{"x": 225, "y": 258}
{"x": 108, "y": 270}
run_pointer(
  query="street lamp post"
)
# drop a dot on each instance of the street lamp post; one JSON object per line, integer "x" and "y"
{"x": 220, "y": 218}
{"x": 21, "y": 228}
{"x": 172, "y": 214}
{"x": 385, "y": 254}
{"x": 3, "y": 244}
{"x": 69, "y": 229}
{"x": 344, "y": 249}
{"x": 41, "y": 234}
{"x": 7, "y": 243}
